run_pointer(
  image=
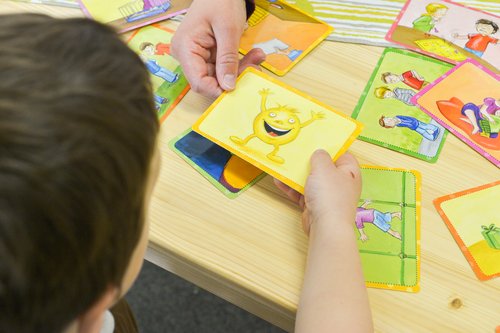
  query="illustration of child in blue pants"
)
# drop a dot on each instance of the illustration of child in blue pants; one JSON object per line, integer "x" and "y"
{"x": 152, "y": 65}
{"x": 159, "y": 101}
{"x": 428, "y": 131}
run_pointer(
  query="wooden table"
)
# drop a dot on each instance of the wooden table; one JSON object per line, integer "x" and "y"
{"x": 251, "y": 251}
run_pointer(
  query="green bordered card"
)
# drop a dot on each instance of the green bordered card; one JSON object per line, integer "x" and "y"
{"x": 388, "y": 228}
{"x": 227, "y": 172}
{"x": 391, "y": 119}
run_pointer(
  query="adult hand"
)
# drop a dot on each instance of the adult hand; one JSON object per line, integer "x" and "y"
{"x": 206, "y": 45}
{"x": 332, "y": 190}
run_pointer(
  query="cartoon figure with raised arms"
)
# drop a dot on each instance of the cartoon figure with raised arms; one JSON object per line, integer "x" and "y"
{"x": 276, "y": 126}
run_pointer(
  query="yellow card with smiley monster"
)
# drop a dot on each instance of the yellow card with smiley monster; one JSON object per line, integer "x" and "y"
{"x": 276, "y": 127}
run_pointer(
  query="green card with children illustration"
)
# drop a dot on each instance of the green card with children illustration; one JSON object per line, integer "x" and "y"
{"x": 152, "y": 43}
{"x": 391, "y": 119}
{"x": 388, "y": 228}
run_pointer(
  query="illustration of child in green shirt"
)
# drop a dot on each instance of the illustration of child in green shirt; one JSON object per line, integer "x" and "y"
{"x": 426, "y": 22}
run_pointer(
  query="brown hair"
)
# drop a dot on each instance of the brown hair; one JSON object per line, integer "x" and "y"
{"x": 143, "y": 45}
{"x": 381, "y": 122}
{"x": 77, "y": 134}
{"x": 384, "y": 76}
{"x": 488, "y": 22}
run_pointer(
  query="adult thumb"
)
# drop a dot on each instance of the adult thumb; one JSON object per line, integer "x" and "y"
{"x": 227, "y": 60}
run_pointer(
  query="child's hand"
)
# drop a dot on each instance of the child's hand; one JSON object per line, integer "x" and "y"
{"x": 332, "y": 190}
{"x": 206, "y": 45}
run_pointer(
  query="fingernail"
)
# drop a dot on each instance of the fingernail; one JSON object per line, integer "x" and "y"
{"x": 229, "y": 81}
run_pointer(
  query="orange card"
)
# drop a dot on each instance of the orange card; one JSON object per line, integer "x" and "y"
{"x": 285, "y": 34}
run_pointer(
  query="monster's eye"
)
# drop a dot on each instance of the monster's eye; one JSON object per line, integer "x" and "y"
{"x": 272, "y": 115}
{"x": 291, "y": 121}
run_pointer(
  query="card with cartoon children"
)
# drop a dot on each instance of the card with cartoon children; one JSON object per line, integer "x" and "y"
{"x": 388, "y": 227}
{"x": 126, "y": 15}
{"x": 466, "y": 100}
{"x": 448, "y": 31}
{"x": 152, "y": 43}
{"x": 390, "y": 117}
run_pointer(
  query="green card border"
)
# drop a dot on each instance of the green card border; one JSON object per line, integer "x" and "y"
{"x": 219, "y": 186}
{"x": 362, "y": 99}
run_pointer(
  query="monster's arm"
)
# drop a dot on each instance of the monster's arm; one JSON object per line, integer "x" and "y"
{"x": 264, "y": 93}
{"x": 314, "y": 116}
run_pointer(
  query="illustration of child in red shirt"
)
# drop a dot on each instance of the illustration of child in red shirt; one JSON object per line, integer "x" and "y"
{"x": 478, "y": 43}
{"x": 411, "y": 78}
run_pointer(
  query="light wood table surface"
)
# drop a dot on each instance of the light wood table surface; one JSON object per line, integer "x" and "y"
{"x": 251, "y": 251}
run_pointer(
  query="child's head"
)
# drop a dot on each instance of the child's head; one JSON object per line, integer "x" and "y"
{"x": 486, "y": 27}
{"x": 77, "y": 138}
{"x": 436, "y": 10}
{"x": 387, "y": 122}
{"x": 389, "y": 77}
{"x": 383, "y": 92}
{"x": 147, "y": 48}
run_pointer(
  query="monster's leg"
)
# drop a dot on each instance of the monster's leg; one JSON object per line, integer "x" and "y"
{"x": 244, "y": 141}
{"x": 272, "y": 155}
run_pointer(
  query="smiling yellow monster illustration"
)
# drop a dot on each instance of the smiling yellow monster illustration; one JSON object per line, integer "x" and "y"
{"x": 276, "y": 126}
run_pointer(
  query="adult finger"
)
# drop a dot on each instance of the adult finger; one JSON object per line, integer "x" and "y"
{"x": 197, "y": 72}
{"x": 226, "y": 65}
{"x": 252, "y": 59}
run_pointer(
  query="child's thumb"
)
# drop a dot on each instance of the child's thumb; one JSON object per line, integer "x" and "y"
{"x": 320, "y": 161}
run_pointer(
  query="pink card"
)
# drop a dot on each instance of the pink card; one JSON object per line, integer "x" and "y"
{"x": 448, "y": 31}
{"x": 466, "y": 100}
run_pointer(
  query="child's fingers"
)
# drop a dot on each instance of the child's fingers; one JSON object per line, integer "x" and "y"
{"x": 349, "y": 163}
{"x": 321, "y": 161}
{"x": 293, "y": 195}
{"x": 347, "y": 159}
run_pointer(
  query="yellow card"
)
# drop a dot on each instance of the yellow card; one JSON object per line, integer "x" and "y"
{"x": 441, "y": 48}
{"x": 276, "y": 127}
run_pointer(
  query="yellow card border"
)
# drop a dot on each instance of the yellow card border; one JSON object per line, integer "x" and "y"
{"x": 289, "y": 182}
{"x": 418, "y": 208}
{"x": 321, "y": 38}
